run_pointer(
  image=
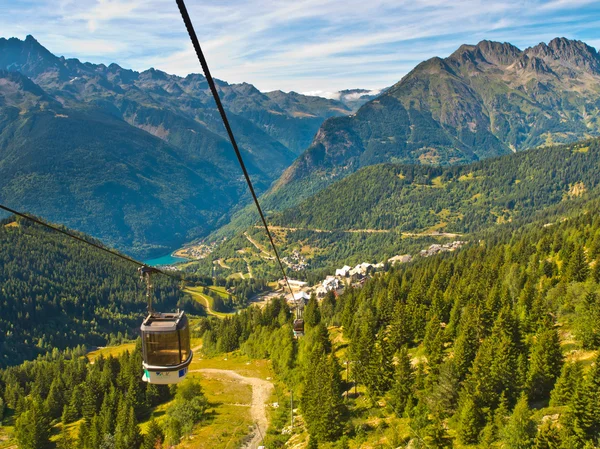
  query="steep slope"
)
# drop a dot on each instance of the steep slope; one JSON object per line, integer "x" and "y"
{"x": 482, "y": 101}
{"x": 140, "y": 160}
{"x": 117, "y": 183}
{"x": 288, "y": 119}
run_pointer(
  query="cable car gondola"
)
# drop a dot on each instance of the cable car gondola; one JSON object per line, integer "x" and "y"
{"x": 166, "y": 350}
{"x": 298, "y": 327}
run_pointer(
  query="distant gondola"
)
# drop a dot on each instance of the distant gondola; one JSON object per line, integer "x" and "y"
{"x": 298, "y": 327}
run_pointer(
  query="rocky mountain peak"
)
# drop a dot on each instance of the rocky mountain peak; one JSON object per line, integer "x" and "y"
{"x": 569, "y": 53}
{"x": 499, "y": 53}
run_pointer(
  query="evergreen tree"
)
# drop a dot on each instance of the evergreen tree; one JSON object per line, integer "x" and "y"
{"x": 520, "y": 430}
{"x": 402, "y": 388}
{"x": 328, "y": 308}
{"x": 55, "y": 401}
{"x": 127, "y": 431}
{"x": 65, "y": 440}
{"x": 545, "y": 364}
{"x": 570, "y": 376}
{"x": 470, "y": 422}
{"x": 587, "y": 321}
{"x": 378, "y": 370}
{"x": 577, "y": 268}
{"x": 467, "y": 342}
{"x": 313, "y": 443}
{"x": 312, "y": 314}
{"x": 321, "y": 400}
{"x": 154, "y": 436}
{"x": 174, "y": 433}
{"x": 547, "y": 437}
{"x": 189, "y": 406}
{"x": 32, "y": 427}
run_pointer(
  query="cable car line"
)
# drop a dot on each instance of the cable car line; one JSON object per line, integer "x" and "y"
{"x": 73, "y": 236}
{"x": 213, "y": 88}
{"x": 166, "y": 348}
{"x": 97, "y": 246}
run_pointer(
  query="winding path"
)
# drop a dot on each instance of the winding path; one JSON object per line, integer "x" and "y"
{"x": 261, "y": 391}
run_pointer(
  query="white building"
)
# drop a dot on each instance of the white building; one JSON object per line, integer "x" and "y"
{"x": 405, "y": 258}
{"x": 343, "y": 272}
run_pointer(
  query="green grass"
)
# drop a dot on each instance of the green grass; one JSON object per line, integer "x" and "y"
{"x": 115, "y": 351}
{"x": 206, "y": 301}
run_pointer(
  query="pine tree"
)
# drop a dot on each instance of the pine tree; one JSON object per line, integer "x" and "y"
{"x": 82, "y": 436}
{"x": 547, "y": 437}
{"x": 467, "y": 342}
{"x": 321, "y": 400}
{"x": 402, "y": 388}
{"x": 312, "y": 443}
{"x": 520, "y": 430}
{"x": 108, "y": 411}
{"x": 545, "y": 365}
{"x": 400, "y": 327}
{"x": 312, "y": 314}
{"x": 127, "y": 431}
{"x": 470, "y": 422}
{"x": 91, "y": 397}
{"x": 587, "y": 321}
{"x": 55, "y": 401}
{"x": 577, "y": 268}
{"x": 174, "y": 433}
{"x": 154, "y": 436}
{"x": 65, "y": 441}
{"x": 570, "y": 376}
{"x": 95, "y": 435}
{"x": 378, "y": 371}
{"x": 32, "y": 427}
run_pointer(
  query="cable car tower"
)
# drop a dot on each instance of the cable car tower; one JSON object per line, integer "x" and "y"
{"x": 166, "y": 348}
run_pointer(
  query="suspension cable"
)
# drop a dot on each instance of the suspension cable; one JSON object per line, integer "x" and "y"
{"x": 97, "y": 246}
{"x": 73, "y": 236}
{"x": 213, "y": 88}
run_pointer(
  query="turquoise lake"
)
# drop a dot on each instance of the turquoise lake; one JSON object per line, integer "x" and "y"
{"x": 169, "y": 259}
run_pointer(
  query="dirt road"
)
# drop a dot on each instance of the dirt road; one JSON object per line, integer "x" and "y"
{"x": 261, "y": 391}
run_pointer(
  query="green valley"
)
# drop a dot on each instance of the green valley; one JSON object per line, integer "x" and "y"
{"x": 385, "y": 210}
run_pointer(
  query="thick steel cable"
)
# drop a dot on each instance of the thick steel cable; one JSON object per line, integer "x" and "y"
{"x": 213, "y": 88}
{"x": 73, "y": 236}
{"x": 97, "y": 246}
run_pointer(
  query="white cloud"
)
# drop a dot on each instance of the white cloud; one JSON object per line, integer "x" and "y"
{"x": 324, "y": 94}
{"x": 304, "y": 45}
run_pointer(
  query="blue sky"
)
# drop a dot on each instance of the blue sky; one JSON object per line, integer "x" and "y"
{"x": 302, "y": 45}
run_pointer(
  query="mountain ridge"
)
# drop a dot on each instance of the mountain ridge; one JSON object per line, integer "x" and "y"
{"x": 100, "y": 107}
{"x": 483, "y": 100}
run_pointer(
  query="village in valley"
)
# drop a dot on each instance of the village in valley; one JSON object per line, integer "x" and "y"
{"x": 336, "y": 282}
{"x": 355, "y": 276}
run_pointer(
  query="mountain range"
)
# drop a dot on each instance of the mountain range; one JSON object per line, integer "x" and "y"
{"x": 483, "y": 100}
{"x": 138, "y": 159}
{"x": 141, "y": 160}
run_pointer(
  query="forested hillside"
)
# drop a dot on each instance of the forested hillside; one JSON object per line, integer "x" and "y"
{"x": 387, "y": 209}
{"x": 465, "y": 198}
{"x": 494, "y": 346}
{"x": 58, "y": 293}
{"x": 92, "y": 405}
